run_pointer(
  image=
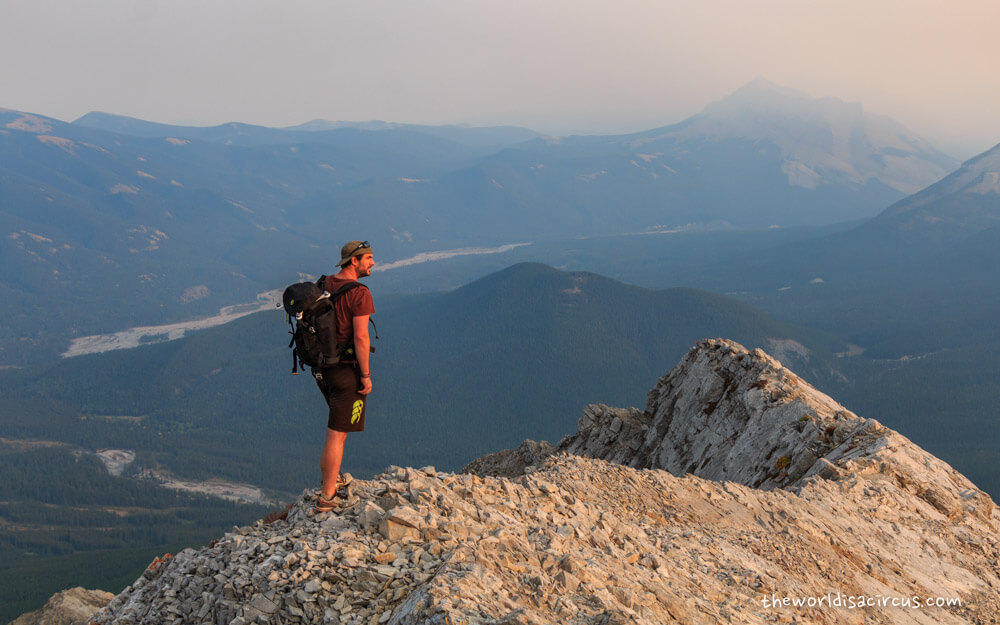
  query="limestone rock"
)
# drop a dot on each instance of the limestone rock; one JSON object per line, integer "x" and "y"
{"x": 511, "y": 462}
{"x": 68, "y": 607}
{"x": 738, "y": 492}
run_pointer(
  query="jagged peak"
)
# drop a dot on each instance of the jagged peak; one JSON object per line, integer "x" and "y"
{"x": 727, "y": 413}
{"x": 732, "y": 414}
{"x": 960, "y": 204}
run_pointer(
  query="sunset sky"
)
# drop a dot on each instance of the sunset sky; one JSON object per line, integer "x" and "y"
{"x": 558, "y": 66}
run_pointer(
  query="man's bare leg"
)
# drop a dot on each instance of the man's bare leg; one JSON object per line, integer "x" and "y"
{"x": 329, "y": 464}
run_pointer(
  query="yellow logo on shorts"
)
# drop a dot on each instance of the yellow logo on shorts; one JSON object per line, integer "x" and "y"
{"x": 359, "y": 407}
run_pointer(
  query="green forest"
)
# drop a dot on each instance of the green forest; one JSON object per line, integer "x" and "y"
{"x": 64, "y": 521}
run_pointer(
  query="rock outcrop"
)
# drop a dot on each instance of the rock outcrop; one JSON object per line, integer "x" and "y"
{"x": 512, "y": 462}
{"x": 726, "y": 413}
{"x": 68, "y": 607}
{"x": 788, "y": 499}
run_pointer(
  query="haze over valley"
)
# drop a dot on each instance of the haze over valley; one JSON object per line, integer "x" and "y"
{"x": 567, "y": 270}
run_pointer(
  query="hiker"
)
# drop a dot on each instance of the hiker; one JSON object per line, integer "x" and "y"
{"x": 346, "y": 385}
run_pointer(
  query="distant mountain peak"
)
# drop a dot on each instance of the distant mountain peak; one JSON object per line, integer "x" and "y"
{"x": 984, "y": 171}
{"x": 764, "y": 100}
{"x": 821, "y": 138}
{"x": 990, "y": 159}
{"x": 965, "y": 202}
{"x": 91, "y": 115}
{"x": 762, "y": 88}
{"x": 27, "y": 122}
{"x": 319, "y": 125}
{"x": 976, "y": 175}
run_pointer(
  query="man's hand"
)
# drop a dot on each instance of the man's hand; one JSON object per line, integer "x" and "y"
{"x": 366, "y": 385}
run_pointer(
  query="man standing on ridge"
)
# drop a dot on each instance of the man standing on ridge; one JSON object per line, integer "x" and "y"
{"x": 347, "y": 384}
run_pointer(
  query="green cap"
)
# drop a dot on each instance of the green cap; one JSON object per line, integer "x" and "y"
{"x": 354, "y": 248}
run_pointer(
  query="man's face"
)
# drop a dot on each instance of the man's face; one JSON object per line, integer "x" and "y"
{"x": 364, "y": 265}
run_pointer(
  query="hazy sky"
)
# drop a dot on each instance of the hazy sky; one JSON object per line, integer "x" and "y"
{"x": 559, "y": 66}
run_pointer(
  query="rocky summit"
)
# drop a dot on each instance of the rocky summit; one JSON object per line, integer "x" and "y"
{"x": 739, "y": 495}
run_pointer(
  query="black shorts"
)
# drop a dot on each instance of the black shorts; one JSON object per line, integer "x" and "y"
{"x": 340, "y": 384}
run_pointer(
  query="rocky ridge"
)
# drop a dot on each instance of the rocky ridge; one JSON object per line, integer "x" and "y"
{"x": 68, "y": 607}
{"x": 790, "y": 498}
{"x": 726, "y": 413}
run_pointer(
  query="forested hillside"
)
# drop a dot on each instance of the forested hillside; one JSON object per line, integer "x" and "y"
{"x": 64, "y": 521}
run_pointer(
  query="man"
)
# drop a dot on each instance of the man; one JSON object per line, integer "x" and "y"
{"x": 347, "y": 384}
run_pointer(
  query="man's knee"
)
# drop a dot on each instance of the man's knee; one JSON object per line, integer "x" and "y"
{"x": 336, "y": 435}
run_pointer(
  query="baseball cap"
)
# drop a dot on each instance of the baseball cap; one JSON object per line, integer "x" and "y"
{"x": 353, "y": 248}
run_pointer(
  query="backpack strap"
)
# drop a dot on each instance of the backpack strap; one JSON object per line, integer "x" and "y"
{"x": 321, "y": 283}
{"x": 344, "y": 289}
{"x": 291, "y": 343}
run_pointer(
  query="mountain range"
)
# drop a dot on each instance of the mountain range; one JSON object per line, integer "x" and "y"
{"x": 113, "y": 223}
{"x": 393, "y": 136}
{"x": 136, "y": 223}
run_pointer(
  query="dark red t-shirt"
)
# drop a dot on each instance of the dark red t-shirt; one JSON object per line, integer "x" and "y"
{"x": 355, "y": 303}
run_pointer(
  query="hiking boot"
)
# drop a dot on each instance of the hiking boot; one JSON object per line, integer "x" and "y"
{"x": 344, "y": 491}
{"x": 335, "y": 503}
{"x": 344, "y": 481}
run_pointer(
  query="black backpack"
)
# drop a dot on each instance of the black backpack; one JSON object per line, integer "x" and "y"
{"x": 314, "y": 333}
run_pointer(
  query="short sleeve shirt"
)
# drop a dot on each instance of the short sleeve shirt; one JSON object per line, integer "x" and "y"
{"x": 355, "y": 303}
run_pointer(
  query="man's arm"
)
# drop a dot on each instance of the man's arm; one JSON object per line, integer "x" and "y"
{"x": 362, "y": 345}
